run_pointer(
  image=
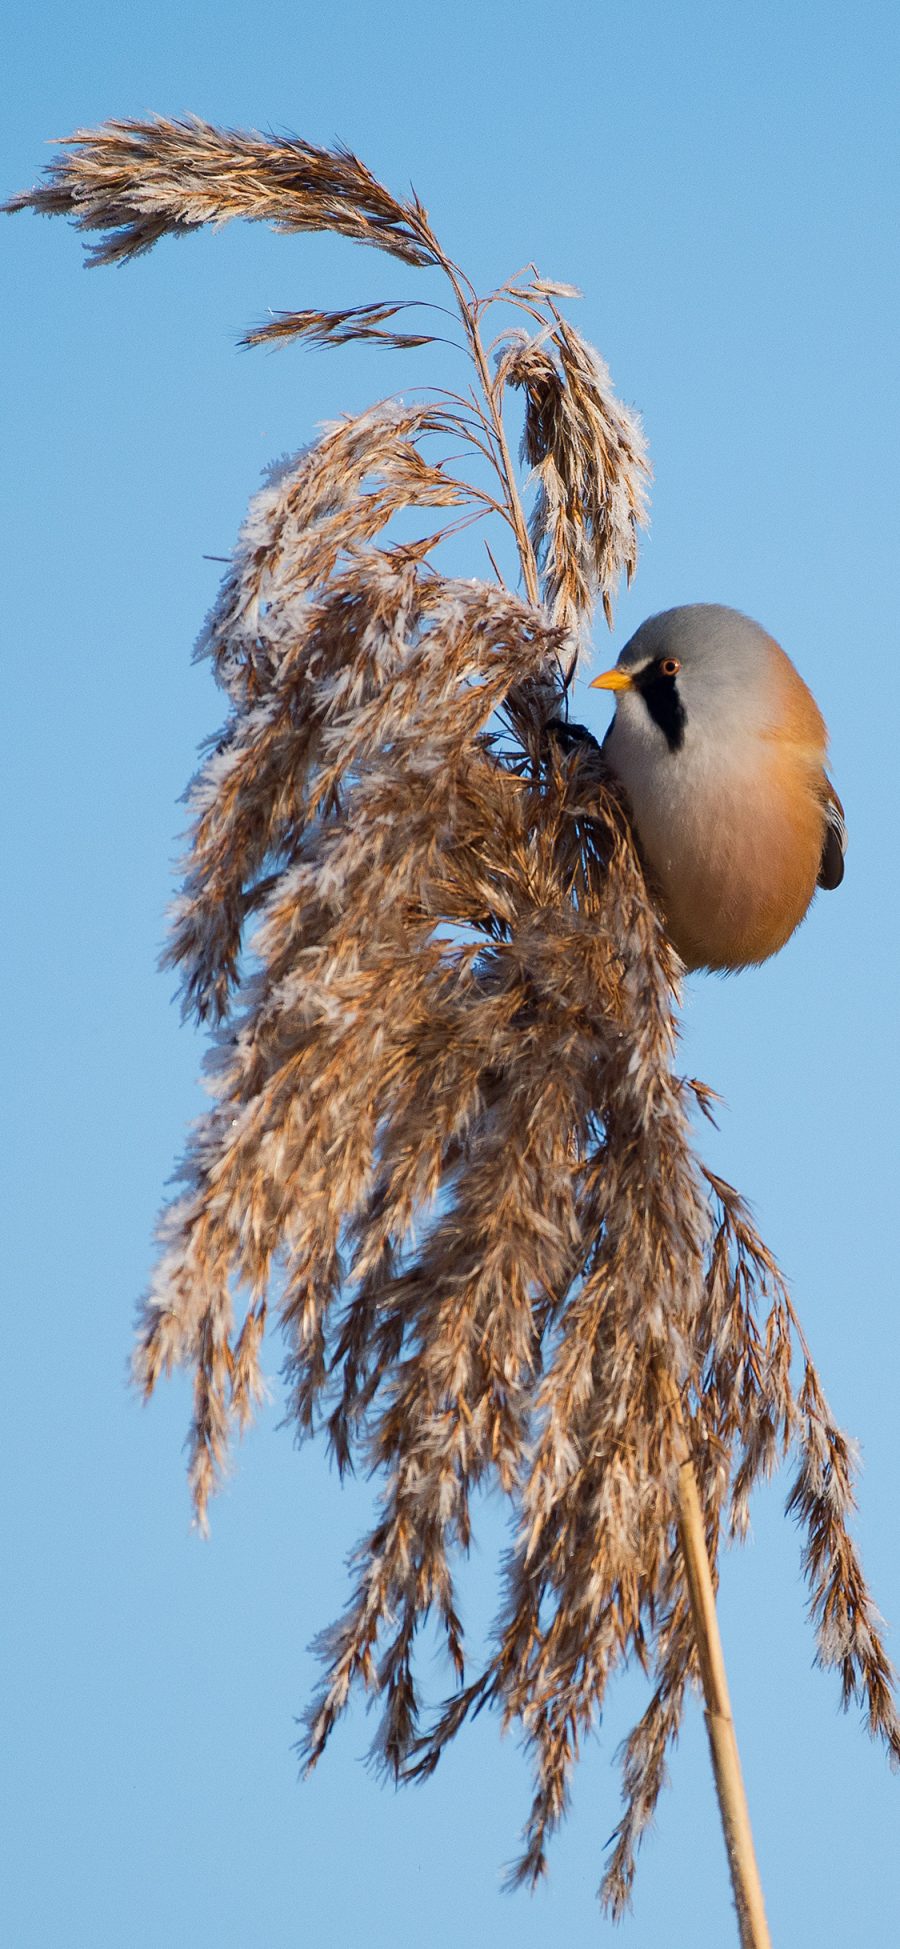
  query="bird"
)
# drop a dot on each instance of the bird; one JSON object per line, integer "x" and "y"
{"x": 720, "y": 749}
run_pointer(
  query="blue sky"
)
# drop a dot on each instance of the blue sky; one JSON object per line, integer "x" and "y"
{"x": 722, "y": 183}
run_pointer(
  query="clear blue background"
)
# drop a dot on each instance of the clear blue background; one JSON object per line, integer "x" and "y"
{"x": 722, "y": 182}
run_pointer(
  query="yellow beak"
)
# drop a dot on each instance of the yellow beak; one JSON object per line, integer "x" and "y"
{"x": 614, "y": 679}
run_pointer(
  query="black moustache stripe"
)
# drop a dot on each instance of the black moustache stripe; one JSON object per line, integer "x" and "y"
{"x": 661, "y": 697}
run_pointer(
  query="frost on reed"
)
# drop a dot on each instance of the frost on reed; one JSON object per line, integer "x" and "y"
{"x": 448, "y": 1147}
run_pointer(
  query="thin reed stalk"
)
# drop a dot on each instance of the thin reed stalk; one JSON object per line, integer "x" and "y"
{"x": 720, "y": 1727}
{"x": 449, "y": 1152}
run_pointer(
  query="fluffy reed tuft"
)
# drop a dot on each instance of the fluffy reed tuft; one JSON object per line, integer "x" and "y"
{"x": 448, "y": 1145}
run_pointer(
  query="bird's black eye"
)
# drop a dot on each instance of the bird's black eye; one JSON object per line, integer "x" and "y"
{"x": 669, "y": 666}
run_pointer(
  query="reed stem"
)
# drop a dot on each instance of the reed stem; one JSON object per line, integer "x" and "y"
{"x": 730, "y": 1790}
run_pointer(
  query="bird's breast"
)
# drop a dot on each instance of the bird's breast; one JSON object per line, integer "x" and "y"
{"x": 733, "y": 849}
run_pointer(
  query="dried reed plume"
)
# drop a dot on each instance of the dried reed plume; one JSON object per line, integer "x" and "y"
{"x": 448, "y": 1145}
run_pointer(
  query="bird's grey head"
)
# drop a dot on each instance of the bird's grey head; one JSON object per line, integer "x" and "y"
{"x": 692, "y": 673}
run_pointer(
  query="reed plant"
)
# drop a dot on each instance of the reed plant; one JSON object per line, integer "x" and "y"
{"x": 449, "y": 1150}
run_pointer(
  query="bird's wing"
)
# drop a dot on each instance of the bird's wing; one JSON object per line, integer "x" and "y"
{"x": 834, "y": 845}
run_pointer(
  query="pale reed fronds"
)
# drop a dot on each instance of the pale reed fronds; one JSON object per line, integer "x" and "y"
{"x": 449, "y": 1149}
{"x": 139, "y": 180}
{"x": 589, "y": 460}
{"x": 339, "y": 327}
